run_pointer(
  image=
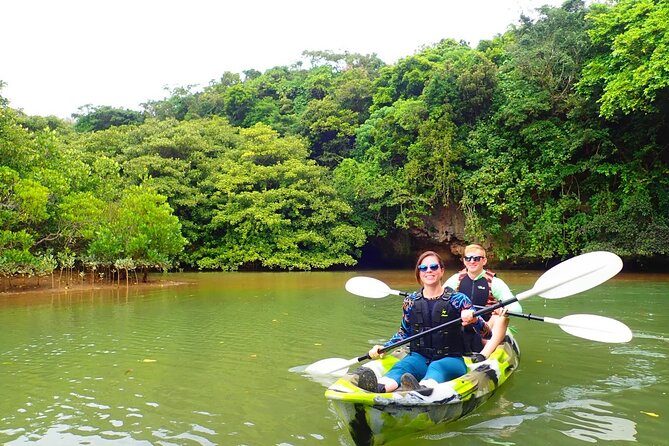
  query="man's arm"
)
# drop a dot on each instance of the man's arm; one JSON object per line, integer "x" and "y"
{"x": 501, "y": 291}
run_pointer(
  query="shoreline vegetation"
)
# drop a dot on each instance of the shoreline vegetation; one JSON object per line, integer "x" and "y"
{"x": 44, "y": 285}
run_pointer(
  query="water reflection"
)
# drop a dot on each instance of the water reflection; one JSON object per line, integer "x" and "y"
{"x": 585, "y": 420}
{"x": 591, "y": 422}
{"x": 60, "y": 435}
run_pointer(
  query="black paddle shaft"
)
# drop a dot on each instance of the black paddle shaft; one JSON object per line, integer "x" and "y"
{"x": 528, "y": 316}
{"x": 485, "y": 310}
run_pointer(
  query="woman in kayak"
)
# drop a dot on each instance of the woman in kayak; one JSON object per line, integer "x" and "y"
{"x": 435, "y": 357}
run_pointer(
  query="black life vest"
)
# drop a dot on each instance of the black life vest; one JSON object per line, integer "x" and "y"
{"x": 480, "y": 293}
{"x": 441, "y": 343}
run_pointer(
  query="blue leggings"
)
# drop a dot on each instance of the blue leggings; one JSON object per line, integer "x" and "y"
{"x": 441, "y": 370}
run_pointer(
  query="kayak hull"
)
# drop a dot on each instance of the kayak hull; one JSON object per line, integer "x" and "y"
{"x": 377, "y": 418}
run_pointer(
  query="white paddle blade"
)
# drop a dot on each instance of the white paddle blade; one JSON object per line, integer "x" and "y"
{"x": 578, "y": 274}
{"x": 330, "y": 366}
{"x": 368, "y": 287}
{"x": 596, "y": 328}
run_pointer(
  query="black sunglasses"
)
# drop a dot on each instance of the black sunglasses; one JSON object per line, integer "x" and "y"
{"x": 433, "y": 267}
{"x": 473, "y": 258}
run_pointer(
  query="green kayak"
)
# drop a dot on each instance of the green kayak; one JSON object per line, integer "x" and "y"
{"x": 377, "y": 418}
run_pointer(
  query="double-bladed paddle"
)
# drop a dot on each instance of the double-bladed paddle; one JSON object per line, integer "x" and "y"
{"x": 587, "y": 326}
{"x": 570, "y": 277}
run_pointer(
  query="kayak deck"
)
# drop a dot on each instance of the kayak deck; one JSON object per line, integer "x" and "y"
{"x": 376, "y": 418}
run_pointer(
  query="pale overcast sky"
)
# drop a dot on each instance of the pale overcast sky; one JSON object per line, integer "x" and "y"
{"x": 58, "y": 55}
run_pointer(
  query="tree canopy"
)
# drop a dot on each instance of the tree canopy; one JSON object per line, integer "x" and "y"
{"x": 543, "y": 142}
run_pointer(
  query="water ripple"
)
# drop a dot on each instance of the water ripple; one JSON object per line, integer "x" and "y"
{"x": 592, "y": 422}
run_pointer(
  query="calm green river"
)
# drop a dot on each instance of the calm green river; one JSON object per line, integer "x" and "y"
{"x": 217, "y": 360}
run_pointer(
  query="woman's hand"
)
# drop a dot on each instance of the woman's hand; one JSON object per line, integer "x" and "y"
{"x": 374, "y": 352}
{"x": 467, "y": 317}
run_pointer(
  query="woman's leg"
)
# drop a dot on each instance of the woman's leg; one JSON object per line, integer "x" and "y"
{"x": 444, "y": 370}
{"x": 413, "y": 363}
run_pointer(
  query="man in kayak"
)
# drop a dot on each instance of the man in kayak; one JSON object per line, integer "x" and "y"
{"x": 483, "y": 288}
{"x": 436, "y": 357}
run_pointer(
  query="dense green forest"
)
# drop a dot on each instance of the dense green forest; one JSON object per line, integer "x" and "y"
{"x": 544, "y": 142}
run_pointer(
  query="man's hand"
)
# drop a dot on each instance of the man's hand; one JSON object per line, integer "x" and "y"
{"x": 501, "y": 312}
